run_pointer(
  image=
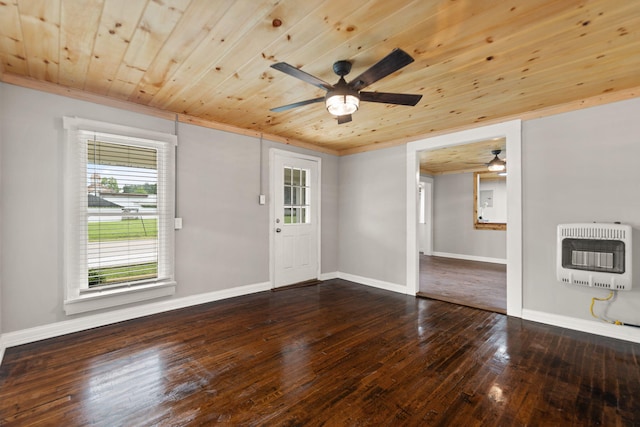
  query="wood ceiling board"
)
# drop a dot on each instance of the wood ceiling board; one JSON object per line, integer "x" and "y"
{"x": 225, "y": 35}
{"x": 501, "y": 71}
{"x": 193, "y": 29}
{"x": 156, "y": 25}
{"x": 40, "y": 21}
{"x": 117, "y": 25}
{"x": 236, "y": 48}
{"x": 517, "y": 53}
{"x": 76, "y": 24}
{"x": 12, "y": 54}
{"x": 461, "y": 158}
{"x": 241, "y": 59}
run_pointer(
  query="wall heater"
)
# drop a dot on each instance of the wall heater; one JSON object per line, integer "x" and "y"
{"x": 597, "y": 255}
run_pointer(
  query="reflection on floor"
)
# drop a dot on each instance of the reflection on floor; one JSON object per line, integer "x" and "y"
{"x": 472, "y": 283}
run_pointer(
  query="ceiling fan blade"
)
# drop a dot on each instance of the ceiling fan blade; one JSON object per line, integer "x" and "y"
{"x": 297, "y": 104}
{"x": 391, "y": 98}
{"x": 299, "y": 74}
{"x": 391, "y": 63}
{"x": 344, "y": 119}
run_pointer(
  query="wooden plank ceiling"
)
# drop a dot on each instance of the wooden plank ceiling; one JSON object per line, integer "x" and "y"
{"x": 476, "y": 61}
{"x": 471, "y": 157}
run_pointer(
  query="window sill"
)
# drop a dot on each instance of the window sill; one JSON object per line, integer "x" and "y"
{"x": 115, "y": 297}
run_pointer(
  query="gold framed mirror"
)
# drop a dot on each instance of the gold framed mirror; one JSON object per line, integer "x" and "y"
{"x": 489, "y": 201}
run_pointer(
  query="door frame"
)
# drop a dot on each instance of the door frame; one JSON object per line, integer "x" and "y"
{"x": 273, "y": 152}
{"x": 512, "y": 132}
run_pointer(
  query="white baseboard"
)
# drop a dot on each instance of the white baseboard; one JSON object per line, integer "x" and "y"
{"x": 328, "y": 276}
{"x": 24, "y": 336}
{"x": 373, "y": 283}
{"x": 627, "y": 333}
{"x": 471, "y": 257}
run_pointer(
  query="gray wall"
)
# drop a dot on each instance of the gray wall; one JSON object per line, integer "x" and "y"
{"x": 224, "y": 242}
{"x": 372, "y": 216}
{"x": 581, "y": 166}
{"x": 453, "y": 230}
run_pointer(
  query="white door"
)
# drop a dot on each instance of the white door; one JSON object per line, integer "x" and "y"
{"x": 295, "y": 227}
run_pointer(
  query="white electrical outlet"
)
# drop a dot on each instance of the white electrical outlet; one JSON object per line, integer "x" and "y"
{"x": 262, "y": 199}
{"x": 177, "y": 223}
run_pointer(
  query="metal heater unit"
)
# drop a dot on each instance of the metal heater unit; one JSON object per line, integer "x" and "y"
{"x": 597, "y": 255}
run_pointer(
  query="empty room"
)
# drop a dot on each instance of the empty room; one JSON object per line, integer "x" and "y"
{"x": 252, "y": 212}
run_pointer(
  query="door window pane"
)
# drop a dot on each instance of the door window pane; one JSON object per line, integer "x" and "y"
{"x": 287, "y": 195}
{"x": 296, "y": 196}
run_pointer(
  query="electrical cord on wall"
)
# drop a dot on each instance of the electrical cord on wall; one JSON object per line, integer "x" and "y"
{"x": 609, "y": 299}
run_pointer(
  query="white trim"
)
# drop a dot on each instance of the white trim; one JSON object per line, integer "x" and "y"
{"x": 511, "y": 131}
{"x": 471, "y": 257}
{"x": 75, "y": 255}
{"x": 375, "y": 283}
{"x": 114, "y": 297}
{"x": 627, "y": 333}
{"x": 78, "y": 123}
{"x": 64, "y": 327}
{"x": 272, "y": 215}
{"x": 328, "y": 276}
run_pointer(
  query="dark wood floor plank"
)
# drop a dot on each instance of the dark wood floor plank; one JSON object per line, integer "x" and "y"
{"x": 331, "y": 354}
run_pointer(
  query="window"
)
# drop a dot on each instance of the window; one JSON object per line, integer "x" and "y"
{"x": 296, "y": 196}
{"x": 119, "y": 215}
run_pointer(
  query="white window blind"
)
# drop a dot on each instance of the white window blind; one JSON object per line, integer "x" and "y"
{"x": 119, "y": 210}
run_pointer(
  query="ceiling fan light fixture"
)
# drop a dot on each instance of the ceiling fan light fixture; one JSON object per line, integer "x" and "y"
{"x": 342, "y": 104}
{"x": 496, "y": 165}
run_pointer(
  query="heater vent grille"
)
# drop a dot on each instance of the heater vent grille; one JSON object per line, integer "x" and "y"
{"x": 597, "y": 255}
{"x": 593, "y": 232}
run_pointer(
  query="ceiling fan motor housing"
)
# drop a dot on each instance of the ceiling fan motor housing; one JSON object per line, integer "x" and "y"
{"x": 342, "y": 68}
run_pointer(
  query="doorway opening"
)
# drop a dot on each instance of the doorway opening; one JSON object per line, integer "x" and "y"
{"x": 511, "y": 132}
{"x": 466, "y": 260}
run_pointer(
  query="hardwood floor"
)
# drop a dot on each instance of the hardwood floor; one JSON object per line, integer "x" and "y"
{"x": 475, "y": 284}
{"x": 336, "y": 354}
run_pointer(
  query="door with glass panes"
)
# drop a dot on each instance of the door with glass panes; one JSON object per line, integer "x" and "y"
{"x": 296, "y": 216}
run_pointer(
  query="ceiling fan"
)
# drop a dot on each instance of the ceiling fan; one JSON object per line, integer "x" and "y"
{"x": 497, "y": 164}
{"x": 343, "y": 99}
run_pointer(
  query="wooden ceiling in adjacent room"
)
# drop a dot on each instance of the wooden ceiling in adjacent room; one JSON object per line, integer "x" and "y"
{"x": 464, "y": 158}
{"x": 476, "y": 61}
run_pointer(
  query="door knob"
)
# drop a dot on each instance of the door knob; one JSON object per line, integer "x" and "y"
{"x": 278, "y": 230}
